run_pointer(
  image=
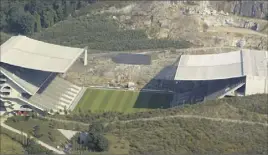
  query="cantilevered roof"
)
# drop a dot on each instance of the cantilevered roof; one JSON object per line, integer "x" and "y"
{"x": 27, "y": 79}
{"x": 222, "y": 66}
{"x": 33, "y": 54}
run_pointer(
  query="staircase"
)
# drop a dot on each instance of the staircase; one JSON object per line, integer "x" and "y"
{"x": 59, "y": 95}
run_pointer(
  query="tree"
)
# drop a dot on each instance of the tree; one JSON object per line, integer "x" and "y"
{"x": 67, "y": 9}
{"x": 47, "y": 17}
{"x": 26, "y": 24}
{"x": 96, "y": 127}
{"x": 37, "y": 24}
{"x": 51, "y": 136}
{"x": 36, "y": 131}
{"x": 34, "y": 148}
{"x": 3, "y": 21}
{"x": 58, "y": 7}
{"x": 20, "y": 21}
{"x": 97, "y": 142}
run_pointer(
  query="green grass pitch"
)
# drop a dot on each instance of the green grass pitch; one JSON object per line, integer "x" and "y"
{"x": 100, "y": 100}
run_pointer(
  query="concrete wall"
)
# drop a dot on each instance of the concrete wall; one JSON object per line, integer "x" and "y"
{"x": 15, "y": 91}
{"x": 15, "y": 88}
{"x": 256, "y": 85}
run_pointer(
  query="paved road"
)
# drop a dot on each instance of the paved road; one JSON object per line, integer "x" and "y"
{"x": 38, "y": 141}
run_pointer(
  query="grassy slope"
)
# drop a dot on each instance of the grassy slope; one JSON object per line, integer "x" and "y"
{"x": 101, "y": 32}
{"x": 8, "y": 146}
{"x": 179, "y": 136}
{"x": 250, "y": 108}
{"x": 27, "y": 127}
{"x": 117, "y": 145}
{"x": 97, "y": 100}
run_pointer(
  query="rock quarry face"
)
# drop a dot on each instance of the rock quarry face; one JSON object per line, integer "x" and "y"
{"x": 193, "y": 21}
{"x": 204, "y": 23}
{"x": 257, "y": 9}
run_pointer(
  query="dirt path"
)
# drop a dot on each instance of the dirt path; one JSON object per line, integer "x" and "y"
{"x": 236, "y": 30}
{"x": 199, "y": 117}
{"x": 67, "y": 121}
{"x": 23, "y": 133}
{"x": 175, "y": 116}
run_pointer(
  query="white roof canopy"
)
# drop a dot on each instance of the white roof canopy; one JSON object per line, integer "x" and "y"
{"x": 33, "y": 54}
{"x": 223, "y": 66}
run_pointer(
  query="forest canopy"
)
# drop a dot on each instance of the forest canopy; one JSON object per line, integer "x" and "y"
{"x": 28, "y": 16}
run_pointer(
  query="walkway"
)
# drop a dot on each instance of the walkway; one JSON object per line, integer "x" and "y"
{"x": 23, "y": 133}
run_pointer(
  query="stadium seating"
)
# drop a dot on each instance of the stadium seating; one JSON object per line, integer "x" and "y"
{"x": 58, "y": 95}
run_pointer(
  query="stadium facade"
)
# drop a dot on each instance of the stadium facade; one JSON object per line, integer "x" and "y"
{"x": 237, "y": 73}
{"x": 30, "y": 74}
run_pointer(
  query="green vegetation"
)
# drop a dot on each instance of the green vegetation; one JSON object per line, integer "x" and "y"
{"x": 99, "y": 141}
{"x": 181, "y": 135}
{"x": 192, "y": 136}
{"x": 29, "y": 144}
{"x": 117, "y": 145}
{"x": 99, "y": 100}
{"x": 45, "y": 131}
{"x": 4, "y": 37}
{"x": 96, "y": 142}
{"x": 9, "y": 146}
{"x": 26, "y": 17}
{"x": 83, "y": 28}
{"x": 252, "y": 108}
{"x": 101, "y": 32}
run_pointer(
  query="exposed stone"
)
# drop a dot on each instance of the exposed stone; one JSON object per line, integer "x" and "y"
{"x": 257, "y": 9}
{"x": 131, "y": 85}
{"x": 163, "y": 33}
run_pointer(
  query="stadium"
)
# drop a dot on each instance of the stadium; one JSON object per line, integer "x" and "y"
{"x": 32, "y": 74}
{"x": 237, "y": 73}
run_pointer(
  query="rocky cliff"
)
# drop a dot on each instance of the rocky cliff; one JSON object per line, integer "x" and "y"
{"x": 198, "y": 22}
{"x": 247, "y": 8}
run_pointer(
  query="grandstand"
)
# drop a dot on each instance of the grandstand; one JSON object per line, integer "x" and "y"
{"x": 29, "y": 74}
{"x": 213, "y": 76}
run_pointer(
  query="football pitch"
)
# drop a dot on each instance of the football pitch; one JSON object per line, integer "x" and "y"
{"x": 100, "y": 100}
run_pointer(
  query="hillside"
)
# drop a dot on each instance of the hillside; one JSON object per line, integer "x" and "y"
{"x": 135, "y": 122}
{"x": 8, "y": 146}
{"x": 120, "y": 26}
{"x": 192, "y": 136}
{"x": 222, "y": 127}
{"x": 257, "y": 9}
{"x": 251, "y": 108}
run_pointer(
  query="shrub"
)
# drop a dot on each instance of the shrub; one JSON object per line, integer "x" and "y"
{"x": 96, "y": 127}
